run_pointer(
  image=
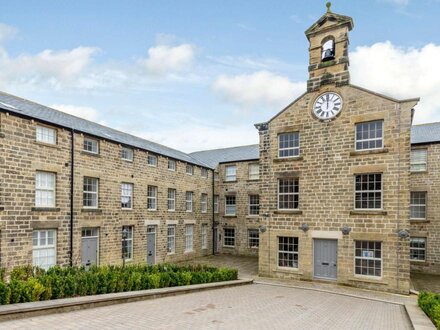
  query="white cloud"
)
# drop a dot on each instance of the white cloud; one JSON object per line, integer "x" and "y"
{"x": 400, "y": 3}
{"x": 165, "y": 59}
{"x": 7, "y": 32}
{"x": 262, "y": 88}
{"x": 88, "y": 113}
{"x": 402, "y": 73}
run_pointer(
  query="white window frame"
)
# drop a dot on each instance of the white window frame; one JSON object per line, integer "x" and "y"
{"x": 152, "y": 160}
{"x": 230, "y": 177}
{"x": 293, "y": 253}
{"x": 254, "y": 174}
{"x": 38, "y": 249}
{"x": 189, "y": 238}
{"x": 171, "y": 165}
{"x": 424, "y": 249}
{"x": 189, "y": 169}
{"x": 129, "y": 242}
{"x": 368, "y": 191}
{"x": 171, "y": 199}
{"x": 216, "y": 203}
{"x": 368, "y": 139}
{"x": 94, "y": 143}
{"x": 204, "y": 173}
{"x": 411, "y": 205}
{"x": 227, "y": 236}
{"x": 151, "y": 198}
{"x": 253, "y": 238}
{"x": 418, "y": 161}
{"x": 296, "y": 150}
{"x": 127, "y": 187}
{"x": 204, "y": 237}
{"x": 45, "y": 134}
{"x": 45, "y": 189}
{"x": 250, "y": 205}
{"x": 369, "y": 258}
{"x": 204, "y": 203}
{"x": 189, "y": 196}
{"x": 228, "y": 207}
{"x": 127, "y": 154}
{"x": 93, "y": 193}
{"x": 171, "y": 239}
{"x": 288, "y": 194}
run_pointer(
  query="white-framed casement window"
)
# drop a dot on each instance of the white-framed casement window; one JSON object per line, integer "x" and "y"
{"x": 171, "y": 239}
{"x": 189, "y": 169}
{"x": 127, "y": 244}
{"x": 171, "y": 165}
{"x": 418, "y": 205}
{"x": 368, "y": 191}
{"x": 46, "y": 135}
{"x": 127, "y": 154}
{"x": 419, "y": 160}
{"x": 231, "y": 173}
{"x": 368, "y": 258}
{"x": 91, "y": 145}
{"x": 216, "y": 203}
{"x": 152, "y": 160}
{"x": 44, "y": 248}
{"x": 254, "y": 204}
{"x": 254, "y": 171}
{"x": 369, "y": 135}
{"x": 152, "y": 198}
{"x": 189, "y": 235}
{"x": 229, "y": 237}
{"x": 288, "y": 194}
{"x": 127, "y": 195}
{"x": 45, "y": 189}
{"x": 288, "y": 145}
{"x": 171, "y": 199}
{"x": 230, "y": 205}
{"x": 288, "y": 252}
{"x": 204, "y": 172}
{"x": 253, "y": 238}
{"x": 189, "y": 201}
{"x": 417, "y": 248}
{"x": 204, "y": 236}
{"x": 204, "y": 203}
{"x": 90, "y": 192}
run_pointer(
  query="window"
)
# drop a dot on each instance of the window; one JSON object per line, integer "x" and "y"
{"x": 171, "y": 164}
{"x": 127, "y": 244}
{"x": 253, "y": 238}
{"x": 368, "y": 191}
{"x": 44, "y": 248}
{"x": 152, "y": 160}
{"x": 171, "y": 239}
{"x": 152, "y": 198}
{"x": 229, "y": 237}
{"x": 127, "y": 154}
{"x": 90, "y": 192}
{"x": 216, "y": 204}
{"x": 216, "y": 176}
{"x": 419, "y": 158}
{"x": 288, "y": 252}
{"x": 204, "y": 236}
{"x": 254, "y": 171}
{"x": 189, "y": 231}
{"x": 369, "y": 135}
{"x": 204, "y": 203}
{"x": 417, "y": 248}
{"x": 171, "y": 199}
{"x": 126, "y": 195}
{"x": 189, "y": 169}
{"x": 46, "y": 135}
{"x": 254, "y": 204}
{"x": 91, "y": 145}
{"x": 418, "y": 205}
{"x": 288, "y": 194}
{"x": 288, "y": 145}
{"x": 204, "y": 172}
{"x": 189, "y": 201}
{"x": 328, "y": 50}
{"x": 230, "y": 206}
{"x": 45, "y": 189}
{"x": 368, "y": 258}
{"x": 231, "y": 173}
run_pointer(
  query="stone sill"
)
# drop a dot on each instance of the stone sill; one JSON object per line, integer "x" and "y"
{"x": 288, "y": 270}
{"x": 417, "y": 172}
{"x": 46, "y": 209}
{"x": 88, "y": 153}
{"x": 287, "y": 159}
{"x": 55, "y": 146}
{"x": 252, "y": 216}
{"x": 228, "y": 247}
{"x": 369, "y": 152}
{"x": 367, "y": 279}
{"x": 414, "y": 221}
{"x": 91, "y": 210}
{"x": 253, "y": 180}
{"x": 418, "y": 262}
{"x": 229, "y": 216}
{"x": 299, "y": 212}
{"x": 366, "y": 212}
{"x": 230, "y": 181}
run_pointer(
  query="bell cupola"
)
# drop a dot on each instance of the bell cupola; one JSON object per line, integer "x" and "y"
{"x": 328, "y": 51}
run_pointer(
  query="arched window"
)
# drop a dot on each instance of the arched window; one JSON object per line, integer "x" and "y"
{"x": 328, "y": 49}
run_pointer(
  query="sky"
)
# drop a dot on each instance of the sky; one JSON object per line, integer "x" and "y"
{"x": 197, "y": 74}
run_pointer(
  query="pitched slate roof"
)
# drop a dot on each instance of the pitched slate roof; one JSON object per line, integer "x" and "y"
{"x": 19, "y": 106}
{"x": 425, "y": 133}
{"x": 216, "y": 156}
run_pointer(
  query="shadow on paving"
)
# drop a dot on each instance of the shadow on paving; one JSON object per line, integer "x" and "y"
{"x": 426, "y": 282}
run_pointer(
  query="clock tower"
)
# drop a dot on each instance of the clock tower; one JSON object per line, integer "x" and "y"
{"x": 328, "y": 50}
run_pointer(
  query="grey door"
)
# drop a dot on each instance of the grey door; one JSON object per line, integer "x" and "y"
{"x": 151, "y": 245}
{"x": 325, "y": 258}
{"x": 89, "y": 251}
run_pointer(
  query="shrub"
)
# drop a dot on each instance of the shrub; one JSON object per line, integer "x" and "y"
{"x": 5, "y": 293}
{"x": 430, "y": 303}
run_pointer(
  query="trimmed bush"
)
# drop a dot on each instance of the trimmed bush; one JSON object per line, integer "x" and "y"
{"x": 430, "y": 303}
{"x": 28, "y": 283}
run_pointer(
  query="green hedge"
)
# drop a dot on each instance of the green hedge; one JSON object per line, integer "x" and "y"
{"x": 430, "y": 303}
{"x": 29, "y": 283}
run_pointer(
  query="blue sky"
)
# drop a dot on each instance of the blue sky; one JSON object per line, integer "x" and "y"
{"x": 198, "y": 74}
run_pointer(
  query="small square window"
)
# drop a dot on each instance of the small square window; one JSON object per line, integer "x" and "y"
{"x": 127, "y": 154}
{"x": 91, "y": 145}
{"x": 368, "y": 258}
{"x": 231, "y": 173}
{"x": 254, "y": 171}
{"x": 288, "y": 145}
{"x": 171, "y": 164}
{"x": 46, "y": 135}
{"x": 204, "y": 172}
{"x": 189, "y": 169}
{"x": 152, "y": 160}
{"x": 229, "y": 237}
{"x": 369, "y": 135}
{"x": 418, "y": 248}
{"x": 419, "y": 160}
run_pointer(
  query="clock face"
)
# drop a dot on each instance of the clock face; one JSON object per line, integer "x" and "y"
{"x": 327, "y": 106}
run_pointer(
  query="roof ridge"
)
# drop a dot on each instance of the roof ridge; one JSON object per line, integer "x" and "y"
{"x": 422, "y": 124}
{"x": 247, "y": 145}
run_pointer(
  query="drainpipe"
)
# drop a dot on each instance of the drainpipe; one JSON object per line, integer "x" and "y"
{"x": 72, "y": 159}
{"x": 213, "y": 214}
{"x": 398, "y": 108}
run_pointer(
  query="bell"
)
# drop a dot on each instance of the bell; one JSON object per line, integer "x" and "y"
{"x": 328, "y": 55}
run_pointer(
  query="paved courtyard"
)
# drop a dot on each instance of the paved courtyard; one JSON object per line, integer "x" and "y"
{"x": 426, "y": 282}
{"x": 254, "y": 306}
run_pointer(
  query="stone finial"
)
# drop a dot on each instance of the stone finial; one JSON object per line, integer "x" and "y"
{"x": 328, "y": 5}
